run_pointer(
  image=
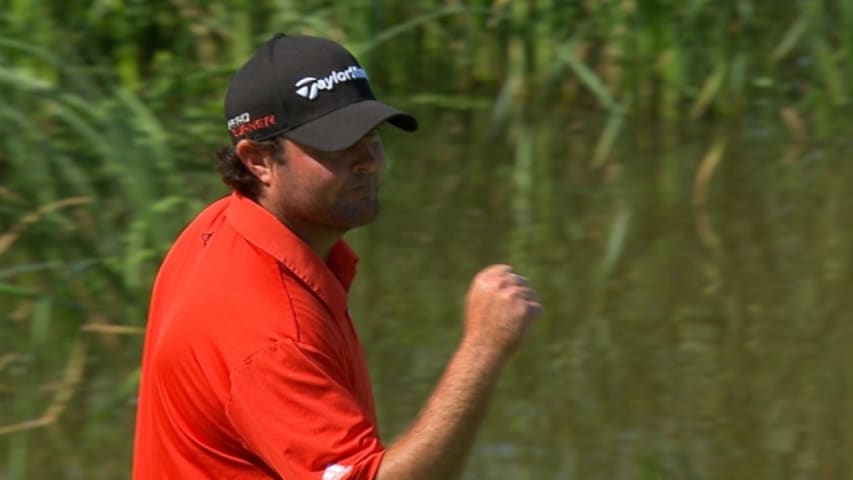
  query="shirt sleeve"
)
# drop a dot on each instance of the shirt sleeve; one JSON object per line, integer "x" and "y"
{"x": 291, "y": 407}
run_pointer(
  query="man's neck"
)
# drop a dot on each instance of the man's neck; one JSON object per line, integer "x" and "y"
{"x": 320, "y": 239}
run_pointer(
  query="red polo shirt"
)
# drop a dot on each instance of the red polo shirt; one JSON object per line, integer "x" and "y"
{"x": 252, "y": 368}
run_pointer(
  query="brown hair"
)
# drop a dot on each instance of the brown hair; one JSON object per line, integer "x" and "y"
{"x": 235, "y": 174}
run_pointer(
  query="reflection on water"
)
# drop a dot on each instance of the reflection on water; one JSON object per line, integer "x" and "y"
{"x": 696, "y": 293}
{"x": 695, "y": 287}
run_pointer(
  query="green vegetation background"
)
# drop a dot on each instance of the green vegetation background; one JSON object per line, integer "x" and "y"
{"x": 111, "y": 112}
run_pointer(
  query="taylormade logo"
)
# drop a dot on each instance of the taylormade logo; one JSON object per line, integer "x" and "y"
{"x": 310, "y": 87}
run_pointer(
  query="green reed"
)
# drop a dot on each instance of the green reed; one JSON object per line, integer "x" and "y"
{"x": 113, "y": 109}
{"x": 93, "y": 182}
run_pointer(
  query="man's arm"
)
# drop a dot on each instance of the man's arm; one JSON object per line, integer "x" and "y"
{"x": 499, "y": 308}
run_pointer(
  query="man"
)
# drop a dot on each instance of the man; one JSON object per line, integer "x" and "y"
{"x": 252, "y": 368}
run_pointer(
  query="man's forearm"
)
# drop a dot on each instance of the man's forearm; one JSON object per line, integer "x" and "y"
{"x": 499, "y": 308}
{"x": 437, "y": 444}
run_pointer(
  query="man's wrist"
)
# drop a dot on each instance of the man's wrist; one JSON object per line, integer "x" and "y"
{"x": 482, "y": 354}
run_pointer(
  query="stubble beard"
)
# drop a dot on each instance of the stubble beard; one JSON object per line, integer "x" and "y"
{"x": 347, "y": 214}
{"x": 358, "y": 214}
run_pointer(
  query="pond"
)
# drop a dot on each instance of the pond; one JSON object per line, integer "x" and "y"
{"x": 696, "y": 286}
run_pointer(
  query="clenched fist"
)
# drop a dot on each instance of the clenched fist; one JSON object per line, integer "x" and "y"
{"x": 500, "y": 306}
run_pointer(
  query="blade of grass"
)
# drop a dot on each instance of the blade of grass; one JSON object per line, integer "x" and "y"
{"x": 790, "y": 39}
{"x": 9, "y": 237}
{"x": 709, "y": 91}
{"x": 589, "y": 79}
{"x": 615, "y": 246}
{"x": 608, "y": 137}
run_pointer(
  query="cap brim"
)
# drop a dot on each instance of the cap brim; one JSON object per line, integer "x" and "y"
{"x": 345, "y": 126}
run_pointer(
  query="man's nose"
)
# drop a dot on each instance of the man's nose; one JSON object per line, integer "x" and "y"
{"x": 369, "y": 157}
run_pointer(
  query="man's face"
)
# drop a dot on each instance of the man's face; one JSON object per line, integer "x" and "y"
{"x": 335, "y": 191}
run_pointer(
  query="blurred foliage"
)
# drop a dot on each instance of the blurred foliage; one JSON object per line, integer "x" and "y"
{"x": 112, "y": 112}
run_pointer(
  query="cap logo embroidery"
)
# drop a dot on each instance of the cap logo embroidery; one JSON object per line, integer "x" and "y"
{"x": 243, "y": 124}
{"x": 235, "y": 122}
{"x": 310, "y": 87}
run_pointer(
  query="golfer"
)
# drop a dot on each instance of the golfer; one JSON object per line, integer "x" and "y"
{"x": 252, "y": 368}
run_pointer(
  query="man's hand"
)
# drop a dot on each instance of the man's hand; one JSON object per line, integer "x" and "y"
{"x": 500, "y": 307}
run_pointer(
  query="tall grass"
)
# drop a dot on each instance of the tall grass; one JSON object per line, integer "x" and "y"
{"x": 111, "y": 112}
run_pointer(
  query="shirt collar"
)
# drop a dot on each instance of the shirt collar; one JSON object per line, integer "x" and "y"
{"x": 329, "y": 280}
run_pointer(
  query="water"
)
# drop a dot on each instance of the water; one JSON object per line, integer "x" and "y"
{"x": 693, "y": 329}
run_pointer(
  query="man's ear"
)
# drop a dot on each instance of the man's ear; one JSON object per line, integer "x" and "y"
{"x": 256, "y": 159}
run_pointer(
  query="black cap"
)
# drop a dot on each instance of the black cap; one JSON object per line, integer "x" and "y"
{"x": 310, "y": 89}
